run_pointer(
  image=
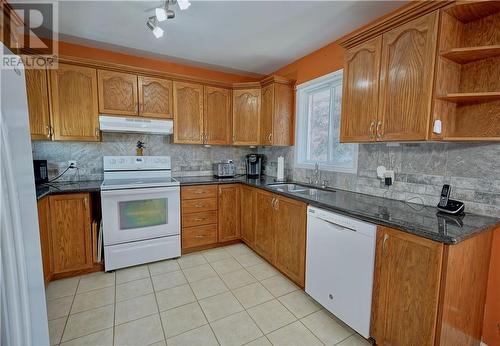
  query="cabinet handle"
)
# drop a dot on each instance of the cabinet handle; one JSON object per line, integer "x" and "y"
{"x": 97, "y": 132}
{"x": 199, "y": 236}
{"x": 372, "y": 132}
{"x": 198, "y": 205}
{"x": 48, "y": 131}
{"x": 272, "y": 202}
{"x": 270, "y": 137}
{"x": 199, "y": 192}
{"x": 379, "y": 132}
{"x": 200, "y": 219}
{"x": 386, "y": 237}
{"x": 277, "y": 204}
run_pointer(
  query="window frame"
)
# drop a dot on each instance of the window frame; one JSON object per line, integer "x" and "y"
{"x": 328, "y": 81}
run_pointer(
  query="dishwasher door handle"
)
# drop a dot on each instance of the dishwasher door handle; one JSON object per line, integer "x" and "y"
{"x": 340, "y": 227}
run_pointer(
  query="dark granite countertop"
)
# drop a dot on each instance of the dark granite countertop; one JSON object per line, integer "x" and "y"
{"x": 67, "y": 187}
{"x": 424, "y": 221}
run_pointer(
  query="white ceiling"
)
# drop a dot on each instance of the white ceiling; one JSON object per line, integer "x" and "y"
{"x": 246, "y": 36}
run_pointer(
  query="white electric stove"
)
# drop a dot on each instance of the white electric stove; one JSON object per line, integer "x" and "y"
{"x": 140, "y": 211}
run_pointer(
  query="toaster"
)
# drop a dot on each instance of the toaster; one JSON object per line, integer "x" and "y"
{"x": 224, "y": 169}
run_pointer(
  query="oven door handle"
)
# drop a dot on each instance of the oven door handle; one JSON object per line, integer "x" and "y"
{"x": 139, "y": 191}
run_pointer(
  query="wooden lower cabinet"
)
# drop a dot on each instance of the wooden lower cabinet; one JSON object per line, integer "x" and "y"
{"x": 290, "y": 248}
{"x": 193, "y": 237}
{"x": 70, "y": 233}
{"x": 44, "y": 227}
{"x": 265, "y": 217}
{"x": 429, "y": 293}
{"x": 247, "y": 215}
{"x": 229, "y": 212}
{"x": 406, "y": 288}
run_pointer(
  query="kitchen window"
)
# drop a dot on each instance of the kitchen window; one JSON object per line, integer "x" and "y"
{"x": 318, "y": 127}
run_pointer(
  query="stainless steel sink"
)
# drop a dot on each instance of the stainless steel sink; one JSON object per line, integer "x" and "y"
{"x": 288, "y": 187}
{"x": 301, "y": 190}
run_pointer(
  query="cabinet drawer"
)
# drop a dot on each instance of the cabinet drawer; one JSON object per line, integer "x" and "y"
{"x": 198, "y": 236}
{"x": 198, "y": 219}
{"x": 197, "y": 205}
{"x": 199, "y": 191}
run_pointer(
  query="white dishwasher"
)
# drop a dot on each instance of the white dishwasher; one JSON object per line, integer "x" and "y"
{"x": 340, "y": 261}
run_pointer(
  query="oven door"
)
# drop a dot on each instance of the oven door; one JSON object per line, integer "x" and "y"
{"x": 140, "y": 214}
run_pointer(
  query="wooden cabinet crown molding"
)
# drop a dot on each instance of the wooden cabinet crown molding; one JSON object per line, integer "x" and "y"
{"x": 401, "y": 16}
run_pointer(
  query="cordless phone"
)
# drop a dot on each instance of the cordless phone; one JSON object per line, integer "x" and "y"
{"x": 445, "y": 195}
{"x": 447, "y": 205}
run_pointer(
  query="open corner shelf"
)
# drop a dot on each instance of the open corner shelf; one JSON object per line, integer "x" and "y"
{"x": 470, "y": 97}
{"x": 470, "y": 54}
{"x": 469, "y": 10}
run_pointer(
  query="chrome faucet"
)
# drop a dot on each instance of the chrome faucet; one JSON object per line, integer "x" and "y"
{"x": 317, "y": 174}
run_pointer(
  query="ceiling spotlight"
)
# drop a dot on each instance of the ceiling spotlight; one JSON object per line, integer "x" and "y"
{"x": 153, "y": 26}
{"x": 163, "y": 13}
{"x": 183, "y": 4}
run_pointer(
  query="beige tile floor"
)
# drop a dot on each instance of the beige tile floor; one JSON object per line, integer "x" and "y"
{"x": 223, "y": 296}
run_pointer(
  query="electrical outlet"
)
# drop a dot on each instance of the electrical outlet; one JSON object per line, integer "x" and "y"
{"x": 72, "y": 163}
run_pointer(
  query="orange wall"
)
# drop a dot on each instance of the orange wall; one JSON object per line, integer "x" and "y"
{"x": 491, "y": 326}
{"x": 155, "y": 64}
{"x": 325, "y": 60}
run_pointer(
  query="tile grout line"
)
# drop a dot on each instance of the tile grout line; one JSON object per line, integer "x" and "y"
{"x": 69, "y": 313}
{"x": 157, "y": 306}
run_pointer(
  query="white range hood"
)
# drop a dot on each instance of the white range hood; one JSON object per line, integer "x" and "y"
{"x": 135, "y": 125}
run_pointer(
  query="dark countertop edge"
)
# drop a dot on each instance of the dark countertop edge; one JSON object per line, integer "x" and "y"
{"x": 76, "y": 187}
{"x": 450, "y": 240}
{"x": 94, "y": 186}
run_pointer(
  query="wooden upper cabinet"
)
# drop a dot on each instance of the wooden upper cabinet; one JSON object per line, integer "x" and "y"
{"x": 188, "y": 113}
{"x": 276, "y": 115}
{"x": 75, "y": 113}
{"x": 265, "y": 225}
{"x": 407, "y": 71}
{"x": 406, "y": 288}
{"x": 117, "y": 93}
{"x": 360, "y": 92}
{"x": 229, "y": 212}
{"x": 291, "y": 238}
{"x": 246, "y": 116}
{"x": 70, "y": 217}
{"x": 45, "y": 238}
{"x": 266, "y": 115}
{"x": 155, "y": 97}
{"x": 217, "y": 115}
{"x": 38, "y": 103}
{"x": 247, "y": 215}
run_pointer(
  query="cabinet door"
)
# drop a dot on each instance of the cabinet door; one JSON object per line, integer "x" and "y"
{"x": 360, "y": 92}
{"x": 266, "y": 115}
{"x": 45, "y": 239}
{"x": 246, "y": 117}
{"x": 70, "y": 232}
{"x": 188, "y": 113}
{"x": 282, "y": 115}
{"x": 38, "y": 103}
{"x": 217, "y": 115}
{"x": 117, "y": 93}
{"x": 265, "y": 216}
{"x": 291, "y": 239}
{"x": 229, "y": 212}
{"x": 247, "y": 212}
{"x": 407, "y": 71}
{"x": 155, "y": 97}
{"x": 75, "y": 114}
{"x": 406, "y": 288}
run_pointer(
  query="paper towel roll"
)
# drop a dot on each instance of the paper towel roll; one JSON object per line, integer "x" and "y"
{"x": 280, "y": 173}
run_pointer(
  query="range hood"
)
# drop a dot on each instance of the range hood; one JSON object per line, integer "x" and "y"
{"x": 135, "y": 125}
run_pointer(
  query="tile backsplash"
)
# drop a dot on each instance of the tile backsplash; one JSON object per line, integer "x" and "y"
{"x": 472, "y": 169}
{"x": 186, "y": 159}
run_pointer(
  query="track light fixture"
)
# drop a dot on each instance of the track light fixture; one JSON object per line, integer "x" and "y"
{"x": 163, "y": 13}
{"x": 152, "y": 24}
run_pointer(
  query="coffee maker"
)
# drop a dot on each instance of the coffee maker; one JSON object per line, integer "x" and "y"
{"x": 254, "y": 165}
